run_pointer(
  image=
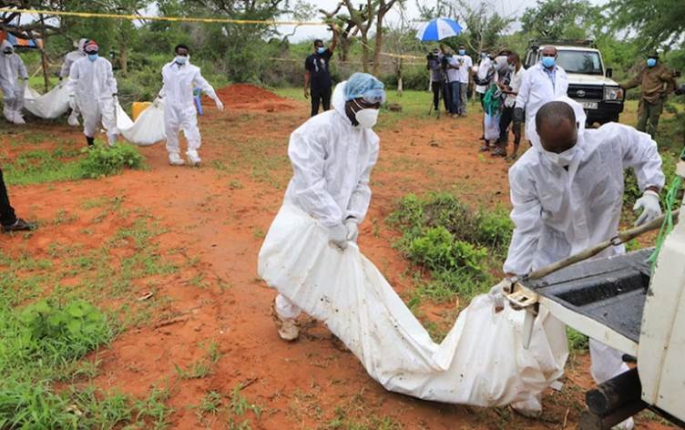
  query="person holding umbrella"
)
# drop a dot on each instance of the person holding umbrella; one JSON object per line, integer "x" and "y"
{"x": 435, "y": 31}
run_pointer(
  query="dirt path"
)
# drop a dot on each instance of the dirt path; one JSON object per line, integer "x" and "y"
{"x": 217, "y": 216}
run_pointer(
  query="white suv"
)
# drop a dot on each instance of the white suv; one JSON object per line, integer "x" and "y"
{"x": 590, "y": 83}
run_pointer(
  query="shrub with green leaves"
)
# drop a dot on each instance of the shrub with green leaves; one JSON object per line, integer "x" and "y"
{"x": 438, "y": 250}
{"x": 58, "y": 332}
{"x": 460, "y": 247}
{"x": 489, "y": 228}
{"x": 103, "y": 160}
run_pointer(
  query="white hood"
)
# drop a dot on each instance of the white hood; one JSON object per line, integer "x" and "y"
{"x": 6, "y": 44}
{"x": 580, "y": 118}
{"x": 338, "y": 99}
{"x": 81, "y": 45}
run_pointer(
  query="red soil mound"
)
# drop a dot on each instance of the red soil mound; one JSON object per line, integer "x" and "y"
{"x": 247, "y": 96}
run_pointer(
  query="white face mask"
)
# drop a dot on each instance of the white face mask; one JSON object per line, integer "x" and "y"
{"x": 367, "y": 118}
{"x": 182, "y": 60}
{"x": 563, "y": 159}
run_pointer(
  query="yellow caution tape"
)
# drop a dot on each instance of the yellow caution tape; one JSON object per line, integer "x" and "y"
{"x": 409, "y": 57}
{"x": 159, "y": 18}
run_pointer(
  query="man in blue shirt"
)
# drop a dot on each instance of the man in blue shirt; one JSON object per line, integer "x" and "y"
{"x": 317, "y": 76}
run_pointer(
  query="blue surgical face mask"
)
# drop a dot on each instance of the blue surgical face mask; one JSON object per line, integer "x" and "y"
{"x": 548, "y": 62}
{"x": 483, "y": 55}
{"x": 462, "y": 52}
{"x": 651, "y": 62}
{"x": 181, "y": 59}
{"x": 320, "y": 50}
{"x": 93, "y": 57}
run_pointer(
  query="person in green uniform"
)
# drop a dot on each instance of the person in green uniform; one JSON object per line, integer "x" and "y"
{"x": 656, "y": 82}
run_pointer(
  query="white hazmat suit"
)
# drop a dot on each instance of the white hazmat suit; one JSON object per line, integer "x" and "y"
{"x": 11, "y": 70}
{"x": 332, "y": 163}
{"x": 94, "y": 87}
{"x": 537, "y": 89}
{"x": 179, "y": 106}
{"x": 69, "y": 60}
{"x": 558, "y": 212}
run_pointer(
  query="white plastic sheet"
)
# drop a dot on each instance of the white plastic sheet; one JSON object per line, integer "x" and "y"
{"x": 481, "y": 362}
{"x": 50, "y": 105}
{"x": 147, "y": 129}
{"x": 491, "y": 127}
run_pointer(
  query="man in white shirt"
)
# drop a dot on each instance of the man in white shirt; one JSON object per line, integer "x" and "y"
{"x": 452, "y": 75}
{"x": 515, "y": 75}
{"x": 484, "y": 73}
{"x": 465, "y": 64}
{"x": 542, "y": 83}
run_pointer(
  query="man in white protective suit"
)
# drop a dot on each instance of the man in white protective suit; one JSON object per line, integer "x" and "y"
{"x": 332, "y": 155}
{"x": 69, "y": 60}
{"x": 567, "y": 195}
{"x": 542, "y": 83}
{"x": 180, "y": 78}
{"x": 92, "y": 84}
{"x": 12, "y": 69}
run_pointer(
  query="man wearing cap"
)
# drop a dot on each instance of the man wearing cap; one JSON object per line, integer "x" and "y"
{"x": 657, "y": 83}
{"x": 69, "y": 60}
{"x": 332, "y": 156}
{"x": 92, "y": 84}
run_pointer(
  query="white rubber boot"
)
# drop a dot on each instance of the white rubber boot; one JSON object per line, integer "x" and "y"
{"x": 111, "y": 139}
{"x": 18, "y": 118}
{"x": 287, "y": 327}
{"x": 175, "y": 159}
{"x": 73, "y": 119}
{"x": 193, "y": 158}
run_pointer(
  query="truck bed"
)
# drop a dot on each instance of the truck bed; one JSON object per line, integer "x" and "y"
{"x": 611, "y": 291}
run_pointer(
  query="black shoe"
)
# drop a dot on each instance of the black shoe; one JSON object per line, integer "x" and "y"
{"x": 91, "y": 141}
{"x": 19, "y": 225}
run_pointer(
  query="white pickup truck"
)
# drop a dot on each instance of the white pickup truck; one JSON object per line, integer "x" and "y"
{"x": 590, "y": 83}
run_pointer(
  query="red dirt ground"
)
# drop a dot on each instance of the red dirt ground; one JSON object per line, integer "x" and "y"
{"x": 251, "y": 97}
{"x": 219, "y": 214}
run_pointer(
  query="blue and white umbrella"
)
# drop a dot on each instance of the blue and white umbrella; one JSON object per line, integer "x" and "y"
{"x": 438, "y": 29}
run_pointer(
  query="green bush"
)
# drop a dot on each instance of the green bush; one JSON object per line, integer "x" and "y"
{"x": 439, "y": 251}
{"x": 458, "y": 246}
{"x": 62, "y": 332}
{"x": 103, "y": 160}
{"x": 490, "y": 228}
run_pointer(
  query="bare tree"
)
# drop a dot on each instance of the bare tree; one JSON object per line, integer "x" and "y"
{"x": 347, "y": 30}
{"x": 362, "y": 17}
{"x": 39, "y": 29}
{"x": 383, "y": 7}
{"x": 483, "y": 28}
{"x": 401, "y": 40}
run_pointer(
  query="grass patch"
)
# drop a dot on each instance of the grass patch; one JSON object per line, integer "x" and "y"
{"x": 457, "y": 247}
{"x": 48, "y": 325}
{"x": 42, "y": 166}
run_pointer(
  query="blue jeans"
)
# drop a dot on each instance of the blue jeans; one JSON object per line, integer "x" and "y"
{"x": 455, "y": 89}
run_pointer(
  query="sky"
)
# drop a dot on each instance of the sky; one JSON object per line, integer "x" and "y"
{"x": 503, "y": 7}
{"x": 507, "y": 8}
